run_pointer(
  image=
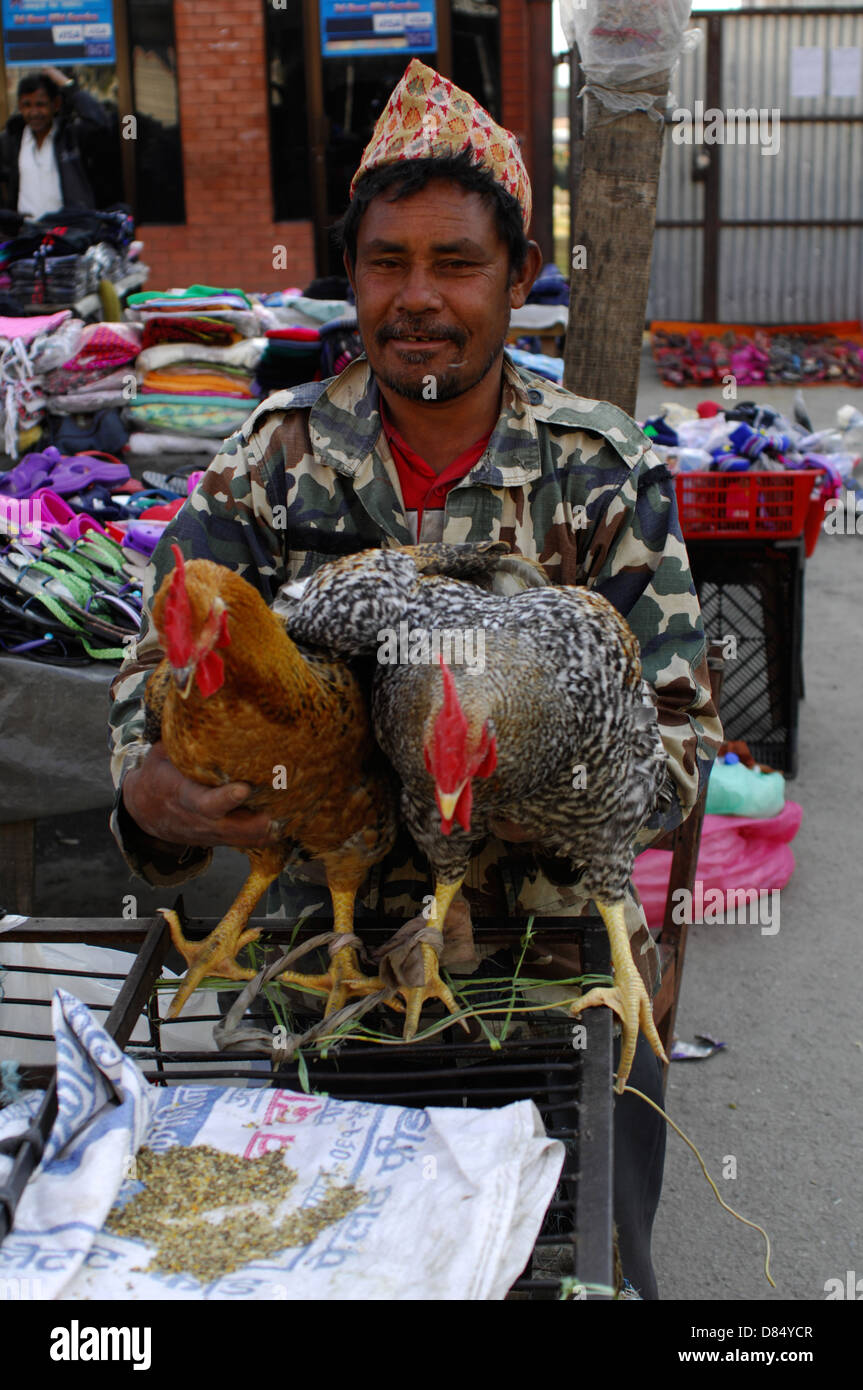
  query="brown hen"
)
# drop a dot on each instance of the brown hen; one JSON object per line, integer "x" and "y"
{"x": 236, "y": 700}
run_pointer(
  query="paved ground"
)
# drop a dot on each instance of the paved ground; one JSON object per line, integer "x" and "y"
{"x": 784, "y": 1099}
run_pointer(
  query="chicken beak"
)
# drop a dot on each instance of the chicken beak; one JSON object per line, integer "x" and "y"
{"x": 447, "y": 802}
{"x": 183, "y": 677}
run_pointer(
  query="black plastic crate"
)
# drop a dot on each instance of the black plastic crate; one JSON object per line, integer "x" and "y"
{"x": 752, "y": 591}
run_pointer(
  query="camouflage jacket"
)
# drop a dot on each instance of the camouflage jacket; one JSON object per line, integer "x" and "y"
{"x": 567, "y": 481}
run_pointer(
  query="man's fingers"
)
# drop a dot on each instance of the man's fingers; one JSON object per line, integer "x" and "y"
{"x": 213, "y": 802}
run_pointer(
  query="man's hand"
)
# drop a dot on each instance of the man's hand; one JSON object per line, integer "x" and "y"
{"x": 61, "y": 78}
{"x": 178, "y": 812}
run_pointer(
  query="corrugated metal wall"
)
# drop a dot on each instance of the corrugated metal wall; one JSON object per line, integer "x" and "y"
{"x": 767, "y": 273}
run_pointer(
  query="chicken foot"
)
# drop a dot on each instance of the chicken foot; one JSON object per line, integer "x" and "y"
{"x": 216, "y": 955}
{"x": 627, "y": 997}
{"x": 344, "y": 977}
{"x": 433, "y": 986}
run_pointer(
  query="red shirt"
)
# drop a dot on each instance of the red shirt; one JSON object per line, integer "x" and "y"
{"x": 424, "y": 490}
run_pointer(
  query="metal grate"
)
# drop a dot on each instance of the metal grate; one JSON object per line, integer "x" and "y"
{"x": 570, "y": 1087}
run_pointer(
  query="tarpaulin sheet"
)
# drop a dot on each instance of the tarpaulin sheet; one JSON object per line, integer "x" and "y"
{"x": 54, "y": 756}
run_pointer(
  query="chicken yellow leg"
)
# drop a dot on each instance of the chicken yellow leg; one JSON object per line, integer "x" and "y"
{"x": 628, "y": 997}
{"x": 433, "y": 986}
{"x": 216, "y": 955}
{"x": 344, "y": 977}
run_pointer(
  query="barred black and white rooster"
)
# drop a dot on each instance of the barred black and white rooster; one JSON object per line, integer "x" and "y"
{"x": 553, "y": 730}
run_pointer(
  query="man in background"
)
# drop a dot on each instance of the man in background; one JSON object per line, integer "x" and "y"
{"x": 45, "y": 146}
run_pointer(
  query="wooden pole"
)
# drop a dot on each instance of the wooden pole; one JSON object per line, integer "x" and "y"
{"x": 125, "y": 103}
{"x": 541, "y": 117}
{"x": 317, "y": 132}
{"x": 612, "y": 246}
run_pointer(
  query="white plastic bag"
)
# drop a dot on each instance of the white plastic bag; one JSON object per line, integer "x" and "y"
{"x": 51, "y": 350}
{"x": 622, "y": 41}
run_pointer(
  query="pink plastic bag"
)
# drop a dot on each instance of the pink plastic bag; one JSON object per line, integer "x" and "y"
{"x": 736, "y": 852}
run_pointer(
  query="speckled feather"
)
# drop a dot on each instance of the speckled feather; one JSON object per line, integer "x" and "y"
{"x": 561, "y": 688}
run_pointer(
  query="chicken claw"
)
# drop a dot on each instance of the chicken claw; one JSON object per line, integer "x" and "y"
{"x": 627, "y": 997}
{"x": 432, "y": 987}
{"x": 216, "y": 955}
{"x": 343, "y": 980}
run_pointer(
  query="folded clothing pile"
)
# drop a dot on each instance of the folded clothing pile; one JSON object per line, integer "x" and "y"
{"x": 705, "y": 354}
{"x": 292, "y": 355}
{"x": 55, "y": 370}
{"x": 40, "y": 280}
{"x": 99, "y": 372}
{"x": 195, "y": 372}
{"x": 62, "y": 256}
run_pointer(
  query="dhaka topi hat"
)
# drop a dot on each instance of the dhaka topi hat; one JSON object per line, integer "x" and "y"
{"x": 427, "y": 117}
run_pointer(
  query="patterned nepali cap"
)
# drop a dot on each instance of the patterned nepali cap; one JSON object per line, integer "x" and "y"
{"x": 427, "y": 116}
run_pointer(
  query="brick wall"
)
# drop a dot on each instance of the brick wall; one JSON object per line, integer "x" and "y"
{"x": 515, "y": 72}
{"x": 229, "y": 234}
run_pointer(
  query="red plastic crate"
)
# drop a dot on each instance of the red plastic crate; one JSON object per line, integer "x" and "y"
{"x": 745, "y": 504}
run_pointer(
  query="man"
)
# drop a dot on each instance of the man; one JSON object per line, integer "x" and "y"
{"x": 435, "y": 435}
{"x": 43, "y": 148}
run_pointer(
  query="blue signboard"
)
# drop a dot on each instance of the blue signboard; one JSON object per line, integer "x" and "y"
{"x": 57, "y": 33}
{"x": 377, "y": 26}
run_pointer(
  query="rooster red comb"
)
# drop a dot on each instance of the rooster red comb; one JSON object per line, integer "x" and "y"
{"x": 177, "y": 620}
{"x": 450, "y": 734}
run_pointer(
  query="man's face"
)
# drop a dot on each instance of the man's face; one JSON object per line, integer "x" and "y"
{"x": 434, "y": 291}
{"x": 38, "y": 110}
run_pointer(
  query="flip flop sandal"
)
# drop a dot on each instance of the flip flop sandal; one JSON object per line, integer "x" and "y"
{"x": 97, "y": 502}
{"x": 34, "y": 471}
{"x": 98, "y": 556}
{"x": 65, "y": 597}
{"x": 80, "y": 471}
{"x": 86, "y": 568}
{"x": 133, "y": 614}
{"x": 144, "y": 501}
{"x": 163, "y": 511}
{"x": 36, "y": 620}
{"x": 52, "y": 649}
{"x": 61, "y": 516}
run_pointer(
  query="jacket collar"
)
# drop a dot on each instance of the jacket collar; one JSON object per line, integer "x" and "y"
{"x": 345, "y": 427}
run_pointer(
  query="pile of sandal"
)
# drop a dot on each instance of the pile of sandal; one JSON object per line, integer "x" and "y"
{"x": 76, "y": 533}
{"x": 67, "y": 601}
{"x": 706, "y": 355}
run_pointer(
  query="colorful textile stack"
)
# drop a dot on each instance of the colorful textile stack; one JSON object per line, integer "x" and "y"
{"x": 99, "y": 372}
{"x": 292, "y": 355}
{"x": 195, "y": 372}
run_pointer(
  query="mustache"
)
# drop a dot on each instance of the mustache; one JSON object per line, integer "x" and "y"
{"x": 401, "y": 331}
